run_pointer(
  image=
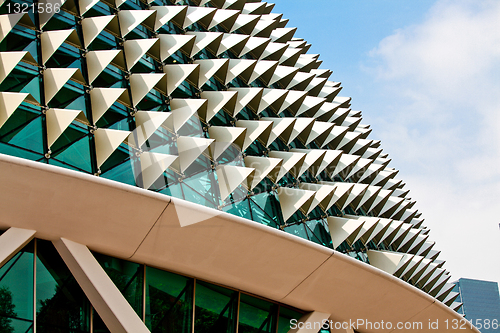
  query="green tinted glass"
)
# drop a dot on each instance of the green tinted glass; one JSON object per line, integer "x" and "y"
{"x": 98, "y": 324}
{"x": 286, "y": 316}
{"x": 61, "y": 305}
{"x": 16, "y": 292}
{"x": 128, "y": 278}
{"x": 169, "y": 302}
{"x": 257, "y": 315}
{"x": 216, "y": 309}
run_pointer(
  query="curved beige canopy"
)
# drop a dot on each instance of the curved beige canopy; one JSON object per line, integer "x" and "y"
{"x": 299, "y": 273}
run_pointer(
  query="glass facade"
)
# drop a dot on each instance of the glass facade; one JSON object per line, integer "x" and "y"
{"x": 257, "y": 315}
{"x": 169, "y": 301}
{"x": 36, "y": 284}
{"x": 216, "y": 309}
{"x": 481, "y": 303}
{"x": 84, "y": 87}
{"x": 25, "y": 132}
{"x": 17, "y": 292}
{"x": 61, "y": 305}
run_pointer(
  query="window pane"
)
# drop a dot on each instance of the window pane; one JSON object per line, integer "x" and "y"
{"x": 16, "y": 292}
{"x": 99, "y": 326}
{"x": 257, "y": 315}
{"x": 216, "y": 309}
{"x": 128, "y": 278}
{"x": 169, "y": 302}
{"x": 61, "y": 304}
{"x": 286, "y": 315}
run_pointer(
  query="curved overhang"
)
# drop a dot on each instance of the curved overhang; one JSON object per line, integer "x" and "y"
{"x": 183, "y": 237}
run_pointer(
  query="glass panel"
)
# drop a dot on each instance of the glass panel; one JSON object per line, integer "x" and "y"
{"x": 174, "y": 190}
{"x": 205, "y": 188}
{"x": 16, "y": 292}
{"x": 30, "y": 137}
{"x": 128, "y": 278}
{"x": 270, "y": 205}
{"x": 119, "y": 156}
{"x": 20, "y": 38}
{"x": 317, "y": 233}
{"x": 191, "y": 194}
{"x": 23, "y": 129}
{"x": 59, "y": 21}
{"x": 123, "y": 173}
{"x": 11, "y": 325}
{"x": 19, "y": 78}
{"x": 216, "y": 309}
{"x": 239, "y": 209}
{"x": 70, "y": 92}
{"x": 259, "y": 215}
{"x": 257, "y": 315}
{"x": 115, "y": 114}
{"x": 19, "y": 152}
{"x": 169, "y": 302}
{"x": 286, "y": 315}
{"x": 99, "y": 326}
{"x": 61, "y": 304}
{"x": 297, "y": 230}
{"x": 75, "y": 154}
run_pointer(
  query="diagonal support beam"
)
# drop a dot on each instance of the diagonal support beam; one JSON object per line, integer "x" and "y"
{"x": 105, "y": 297}
{"x": 13, "y": 240}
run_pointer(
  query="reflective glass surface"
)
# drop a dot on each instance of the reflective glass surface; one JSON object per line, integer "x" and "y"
{"x": 61, "y": 305}
{"x": 169, "y": 302}
{"x": 128, "y": 278}
{"x": 285, "y": 316}
{"x": 216, "y": 309}
{"x": 481, "y": 302}
{"x": 257, "y": 315}
{"x": 16, "y": 292}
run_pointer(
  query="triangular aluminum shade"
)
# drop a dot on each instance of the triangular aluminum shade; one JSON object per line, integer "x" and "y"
{"x": 106, "y": 142}
{"x": 58, "y": 120}
{"x": 230, "y": 177}
{"x": 292, "y": 199}
{"x": 153, "y": 165}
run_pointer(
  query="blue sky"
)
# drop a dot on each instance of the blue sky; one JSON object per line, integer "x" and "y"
{"x": 426, "y": 75}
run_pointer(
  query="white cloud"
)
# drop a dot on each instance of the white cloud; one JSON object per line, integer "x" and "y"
{"x": 439, "y": 83}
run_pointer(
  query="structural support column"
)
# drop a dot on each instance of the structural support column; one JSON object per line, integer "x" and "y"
{"x": 105, "y": 297}
{"x": 309, "y": 323}
{"x": 13, "y": 240}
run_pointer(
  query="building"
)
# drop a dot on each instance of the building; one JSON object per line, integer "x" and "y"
{"x": 185, "y": 166}
{"x": 480, "y": 303}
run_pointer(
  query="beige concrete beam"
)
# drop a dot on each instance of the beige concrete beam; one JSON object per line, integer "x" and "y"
{"x": 105, "y": 297}
{"x": 179, "y": 236}
{"x": 12, "y": 241}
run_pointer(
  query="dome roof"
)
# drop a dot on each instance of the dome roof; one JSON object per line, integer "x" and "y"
{"x": 213, "y": 102}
